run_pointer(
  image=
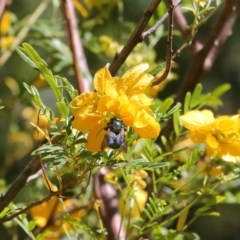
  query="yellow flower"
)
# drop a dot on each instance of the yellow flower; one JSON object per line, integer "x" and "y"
{"x": 198, "y": 123}
{"x": 5, "y": 23}
{"x": 5, "y": 26}
{"x": 42, "y": 213}
{"x": 132, "y": 204}
{"x": 50, "y": 215}
{"x": 201, "y": 3}
{"x": 98, "y": 3}
{"x": 232, "y": 159}
{"x": 225, "y": 136}
{"x": 123, "y": 98}
{"x": 221, "y": 135}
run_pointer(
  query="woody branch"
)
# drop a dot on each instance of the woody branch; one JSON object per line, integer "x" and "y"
{"x": 204, "y": 56}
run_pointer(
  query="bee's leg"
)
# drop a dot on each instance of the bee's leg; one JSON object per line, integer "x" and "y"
{"x": 123, "y": 140}
{"x": 104, "y": 142}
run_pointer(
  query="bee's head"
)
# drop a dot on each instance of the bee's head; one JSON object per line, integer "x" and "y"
{"x": 115, "y": 125}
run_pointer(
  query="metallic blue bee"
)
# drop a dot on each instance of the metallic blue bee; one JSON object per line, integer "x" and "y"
{"x": 115, "y": 136}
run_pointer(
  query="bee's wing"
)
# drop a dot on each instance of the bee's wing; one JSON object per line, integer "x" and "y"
{"x": 114, "y": 141}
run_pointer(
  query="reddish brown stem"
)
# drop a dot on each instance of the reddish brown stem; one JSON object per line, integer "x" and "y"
{"x": 32, "y": 167}
{"x": 107, "y": 194}
{"x": 203, "y": 60}
{"x": 79, "y": 59}
{"x": 182, "y": 25}
{"x": 2, "y": 7}
{"x": 26, "y": 209}
{"x": 158, "y": 79}
{"x": 134, "y": 39}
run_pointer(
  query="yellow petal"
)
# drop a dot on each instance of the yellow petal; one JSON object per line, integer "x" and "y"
{"x": 212, "y": 142}
{"x": 114, "y": 106}
{"x": 199, "y": 135}
{"x": 5, "y": 23}
{"x": 108, "y": 104}
{"x": 140, "y": 85}
{"x": 194, "y": 119}
{"x": 201, "y": 3}
{"x": 142, "y": 99}
{"x": 132, "y": 205}
{"x": 48, "y": 183}
{"x": 41, "y": 213}
{"x": 86, "y": 122}
{"x": 135, "y": 80}
{"x": 84, "y": 103}
{"x": 81, "y": 9}
{"x": 232, "y": 148}
{"x": 105, "y": 84}
{"x": 5, "y": 42}
{"x": 127, "y": 113}
{"x": 134, "y": 72}
{"x": 84, "y": 109}
{"x": 146, "y": 126}
{"x": 95, "y": 138}
{"x": 101, "y": 79}
{"x": 226, "y": 125}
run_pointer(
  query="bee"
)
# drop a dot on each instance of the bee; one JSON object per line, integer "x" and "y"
{"x": 115, "y": 136}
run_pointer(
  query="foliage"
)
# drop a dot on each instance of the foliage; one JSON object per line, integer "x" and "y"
{"x": 155, "y": 183}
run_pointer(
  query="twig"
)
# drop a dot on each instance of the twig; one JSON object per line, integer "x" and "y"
{"x": 59, "y": 193}
{"x": 31, "y": 168}
{"x": 182, "y": 25}
{"x": 79, "y": 59}
{"x": 3, "y": 4}
{"x": 24, "y": 31}
{"x": 203, "y": 60}
{"x": 134, "y": 39}
{"x": 154, "y": 27}
{"x": 24, "y": 210}
{"x": 158, "y": 79}
{"x": 56, "y": 216}
{"x": 109, "y": 206}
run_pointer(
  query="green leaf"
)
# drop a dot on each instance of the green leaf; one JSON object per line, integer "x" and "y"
{"x": 219, "y": 91}
{"x": 23, "y": 55}
{"x": 213, "y": 99}
{"x": 31, "y": 56}
{"x": 31, "y": 53}
{"x": 215, "y": 214}
{"x": 56, "y": 83}
{"x": 65, "y": 84}
{"x": 36, "y": 97}
{"x": 220, "y": 199}
{"x": 176, "y": 124}
{"x": 4, "y": 212}
{"x": 197, "y": 99}
{"x": 144, "y": 164}
{"x": 174, "y": 109}
{"x": 63, "y": 107}
{"x": 31, "y": 225}
{"x": 166, "y": 105}
{"x": 196, "y": 95}
{"x": 187, "y": 100}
